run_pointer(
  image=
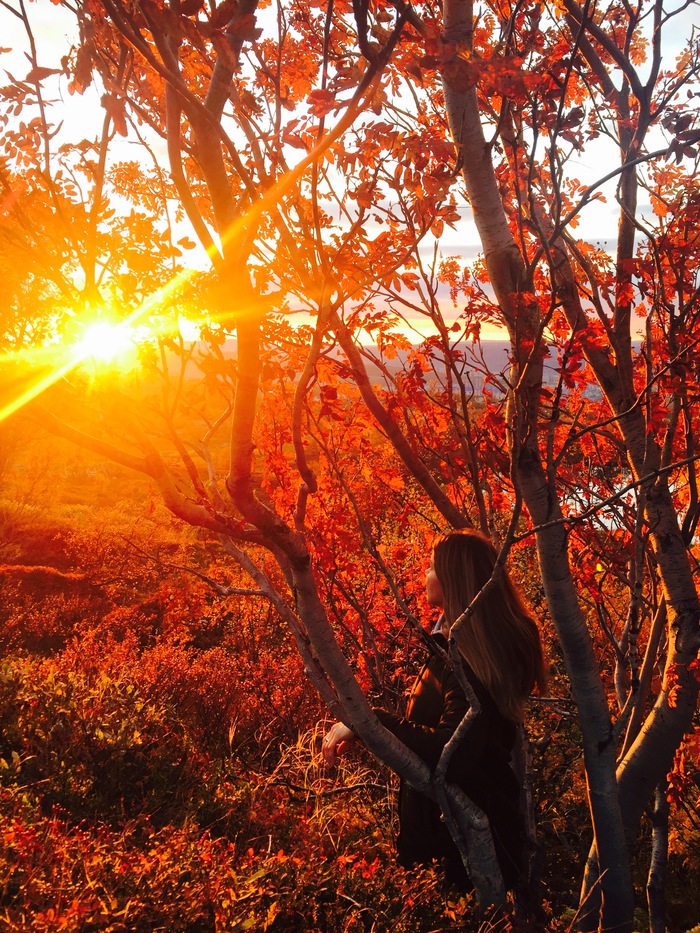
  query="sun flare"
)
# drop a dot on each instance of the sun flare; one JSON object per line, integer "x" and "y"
{"x": 69, "y": 356}
{"x": 105, "y": 342}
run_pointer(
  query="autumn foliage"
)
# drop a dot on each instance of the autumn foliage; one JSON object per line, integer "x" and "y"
{"x": 247, "y": 377}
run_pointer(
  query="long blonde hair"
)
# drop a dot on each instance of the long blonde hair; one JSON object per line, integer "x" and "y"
{"x": 499, "y": 640}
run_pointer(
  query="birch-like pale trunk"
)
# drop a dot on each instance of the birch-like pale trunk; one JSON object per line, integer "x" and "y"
{"x": 508, "y": 278}
{"x": 656, "y": 881}
{"x": 302, "y": 606}
{"x": 650, "y": 756}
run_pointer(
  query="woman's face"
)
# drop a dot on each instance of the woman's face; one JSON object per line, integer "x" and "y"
{"x": 433, "y": 590}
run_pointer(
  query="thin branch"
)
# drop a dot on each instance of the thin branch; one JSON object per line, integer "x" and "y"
{"x": 217, "y": 587}
{"x": 633, "y": 484}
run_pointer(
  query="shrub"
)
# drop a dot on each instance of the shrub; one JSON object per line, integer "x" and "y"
{"x": 96, "y": 745}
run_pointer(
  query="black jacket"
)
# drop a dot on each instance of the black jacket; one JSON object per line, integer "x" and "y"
{"x": 480, "y": 766}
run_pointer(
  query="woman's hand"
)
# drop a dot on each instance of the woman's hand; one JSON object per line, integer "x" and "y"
{"x": 336, "y": 742}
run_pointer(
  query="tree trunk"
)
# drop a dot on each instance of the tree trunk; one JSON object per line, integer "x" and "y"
{"x": 509, "y": 279}
{"x": 651, "y": 755}
{"x": 612, "y": 870}
{"x": 659, "y": 860}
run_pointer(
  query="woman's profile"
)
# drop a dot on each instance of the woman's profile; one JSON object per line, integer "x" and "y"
{"x": 500, "y": 647}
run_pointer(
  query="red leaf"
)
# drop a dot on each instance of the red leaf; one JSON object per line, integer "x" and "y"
{"x": 321, "y": 102}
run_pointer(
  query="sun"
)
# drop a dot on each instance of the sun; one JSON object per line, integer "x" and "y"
{"x": 104, "y": 342}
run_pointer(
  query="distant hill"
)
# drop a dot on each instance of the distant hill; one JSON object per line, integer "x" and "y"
{"x": 488, "y": 356}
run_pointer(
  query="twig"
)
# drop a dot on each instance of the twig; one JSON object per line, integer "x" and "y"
{"x": 220, "y": 590}
{"x": 331, "y": 792}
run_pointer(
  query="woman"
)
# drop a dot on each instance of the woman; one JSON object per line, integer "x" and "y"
{"x": 502, "y": 659}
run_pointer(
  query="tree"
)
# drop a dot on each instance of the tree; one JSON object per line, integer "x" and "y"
{"x": 345, "y": 233}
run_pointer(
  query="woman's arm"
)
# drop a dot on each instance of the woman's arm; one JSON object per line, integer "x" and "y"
{"x": 447, "y": 702}
{"x": 450, "y": 706}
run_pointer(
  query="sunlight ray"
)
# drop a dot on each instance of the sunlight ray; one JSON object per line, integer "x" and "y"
{"x": 35, "y": 356}
{"x": 79, "y": 353}
{"x": 36, "y": 389}
{"x": 281, "y": 187}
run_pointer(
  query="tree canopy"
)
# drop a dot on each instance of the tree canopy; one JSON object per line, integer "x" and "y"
{"x": 350, "y": 202}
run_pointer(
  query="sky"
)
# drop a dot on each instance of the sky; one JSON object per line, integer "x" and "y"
{"x": 55, "y": 30}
